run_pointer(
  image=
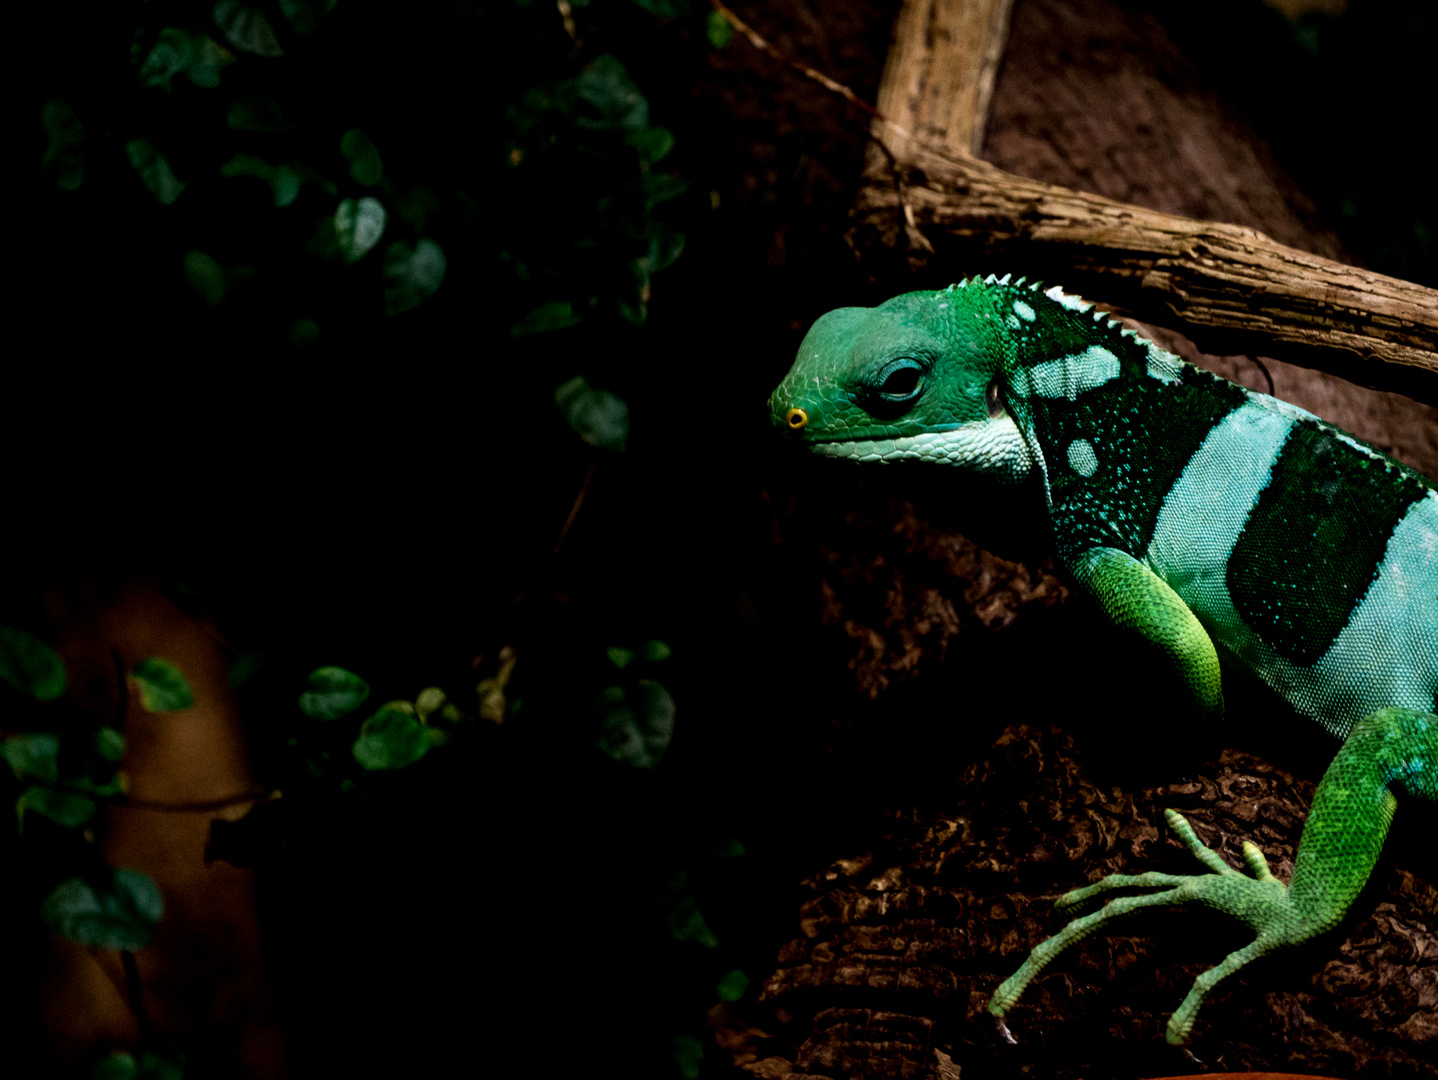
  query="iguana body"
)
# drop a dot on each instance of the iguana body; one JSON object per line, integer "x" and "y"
{"x": 1199, "y": 515}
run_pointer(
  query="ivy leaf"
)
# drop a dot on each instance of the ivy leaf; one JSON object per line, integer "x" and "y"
{"x": 170, "y": 56}
{"x": 392, "y": 738}
{"x": 333, "y": 692}
{"x": 110, "y": 744}
{"x": 304, "y": 15}
{"x": 414, "y": 274}
{"x": 684, "y": 919}
{"x": 255, "y": 112}
{"x": 162, "y": 687}
{"x": 36, "y": 755}
{"x": 551, "y": 315}
{"x": 64, "y": 160}
{"x": 359, "y": 223}
{"x": 652, "y": 143}
{"x": 607, "y": 99}
{"x": 29, "y": 665}
{"x": 116, "y": 1065}
{"x": 666, "y": 9}
{"x": 654, "y": 651}
{"x": 121, "y": 917}
{"x": 362, "y": 154}
{"x": 639, "y": 735}
{"x": 246, "y": 29}
{"x": 154, "y": 170}
{"x": 206, "y": 276}
{"x": 689, "y": 1056}
{"x": 718, "y": 30}
{"x": 65, "y": 808}
{"x": 600, "y": 418}
{"x": 732, "y": 986}
{"x": 429, "y": 701}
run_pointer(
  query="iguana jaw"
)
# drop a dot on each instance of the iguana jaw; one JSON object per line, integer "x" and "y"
{"x": 994, "y": 447}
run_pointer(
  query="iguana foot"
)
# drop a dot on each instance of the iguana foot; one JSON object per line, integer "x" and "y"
{"x": 1260, "y": 901}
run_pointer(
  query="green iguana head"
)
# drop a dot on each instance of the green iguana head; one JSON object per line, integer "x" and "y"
{"x": 919, "y": 377}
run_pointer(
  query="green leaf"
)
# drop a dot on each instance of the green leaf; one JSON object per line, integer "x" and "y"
{"x": 392, "y": 738}
{"x": 732, "y": 986}
{"x": 286, "y": 184}
{"x": 359, "y": 223}
{"x": 162, "y": 687}
{"x": 176, "y": 51}
{"x": 116, "y": 1065}
{"x": 654, "y": 651}
{"x": 304, "y": 15}
{"x": 600, "y": 418}
{"x": 652, "y": 143}
{"x": 206, "y": 276}
{"x": 64, "y": 808}
{"x": 255, "y": 112}
{"x": 360, "y": 151}
{"x": 29, "y": 665}
{"x": 35, "y": 755}
{"x": 154, "y": 170}
{"x": 683, "y": 918}
{"x": 284, "y": 180}
{"x": 206, "y": 61}
{"x": 64, "y": 160}
{"x": 430, "y": 699}
{"x": 639, "y": 735}
{"x": 551, "y": 315}
{"x": 110, "y": 744}
{"x": 246, "y": 29}
{"x": 620, "y": 658}
{"x": 660, "y": 187}
{"x": 121, "y": 917}
{"x": 688, "y": 1054}
{"x": 333, "y": 692}
{"x": 154, "y": 1067}
{"x": 412, "y": 274}
{"x": 718, "y": 30}
{"x": 607, "y": 99}
{"x": 170, "y": 56}
{"x": 666, "y": 9}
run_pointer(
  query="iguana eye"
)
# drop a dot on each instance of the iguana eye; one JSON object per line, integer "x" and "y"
{"x": 994, "y": 399}
{"x": 900, "y": 381}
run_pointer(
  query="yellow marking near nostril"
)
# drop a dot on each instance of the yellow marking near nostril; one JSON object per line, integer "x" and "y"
{"x": 796, "y": 419}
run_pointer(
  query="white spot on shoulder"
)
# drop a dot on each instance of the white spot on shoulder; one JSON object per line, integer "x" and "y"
{"x": 1082, "y": 457}
{"x": 1068, "y": 376}
{"x": 1023, "y": 311}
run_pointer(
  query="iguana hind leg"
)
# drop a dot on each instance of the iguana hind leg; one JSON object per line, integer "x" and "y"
{"x": 1391, "y": 750}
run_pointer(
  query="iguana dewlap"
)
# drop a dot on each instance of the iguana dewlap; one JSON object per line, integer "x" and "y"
{"x": 1200, "y": 516}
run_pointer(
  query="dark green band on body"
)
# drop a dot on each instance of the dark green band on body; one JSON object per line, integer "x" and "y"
{"x": 1314, "y": 542}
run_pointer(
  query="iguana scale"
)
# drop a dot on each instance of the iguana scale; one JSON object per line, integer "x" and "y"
{"x": 1202, "y": 517}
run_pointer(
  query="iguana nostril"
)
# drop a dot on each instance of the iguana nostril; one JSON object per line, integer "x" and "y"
{"x": 796, "y": 419}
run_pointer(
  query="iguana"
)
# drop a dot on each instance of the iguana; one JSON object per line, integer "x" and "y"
{"x": 1202, "y": 517}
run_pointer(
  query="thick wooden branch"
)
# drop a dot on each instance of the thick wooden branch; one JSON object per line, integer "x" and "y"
{"x": 939, "y": 76}
{"x": 1248, "y": 292}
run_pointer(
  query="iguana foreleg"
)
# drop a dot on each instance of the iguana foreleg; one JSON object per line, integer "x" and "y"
{"x": 1391, "y": 750}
